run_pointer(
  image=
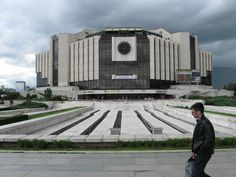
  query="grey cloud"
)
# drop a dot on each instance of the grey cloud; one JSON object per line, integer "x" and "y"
{"x": 27, "y": 24}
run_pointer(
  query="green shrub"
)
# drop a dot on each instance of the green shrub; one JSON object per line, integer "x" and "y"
{"x": 35, "y": 144}
{"x": 217, "y": 101}
{"x": 24, "y": 105}
{"x": 24, "y": 144}
{"x": 56, "y": 98}
{"x": 170, "y": 143}
{"x": 230, "y": 86}
{"x": 62, "y": 144}
{"x": 48, "y": 93}
{"x": 40, "y": 144}
{"x": 227, "y": 141}
{"x": 185, "y": 143}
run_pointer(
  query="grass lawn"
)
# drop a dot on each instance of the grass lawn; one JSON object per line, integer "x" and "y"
{"x": 53, "y": 112}
{"x": 212, "y": 112}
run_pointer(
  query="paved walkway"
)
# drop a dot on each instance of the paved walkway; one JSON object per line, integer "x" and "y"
{"x": 150, "y": 164}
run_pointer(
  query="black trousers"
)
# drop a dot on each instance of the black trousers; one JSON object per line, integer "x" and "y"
{"x": 200, "y": 163}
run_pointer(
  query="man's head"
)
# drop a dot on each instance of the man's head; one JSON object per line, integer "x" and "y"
{"x": 197, "y": 110}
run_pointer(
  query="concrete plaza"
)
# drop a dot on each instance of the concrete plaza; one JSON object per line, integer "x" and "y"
{"x": 110, "y": 164}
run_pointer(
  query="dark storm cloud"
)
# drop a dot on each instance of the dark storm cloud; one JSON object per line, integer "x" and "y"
{"x": 212, "y": 20}
{"x": 25, "y": 25}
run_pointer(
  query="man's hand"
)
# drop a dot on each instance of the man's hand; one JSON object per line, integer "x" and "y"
{"x": 194, "y": 155}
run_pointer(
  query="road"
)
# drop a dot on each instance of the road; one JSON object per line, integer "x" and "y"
{"x": 110, "y": 164}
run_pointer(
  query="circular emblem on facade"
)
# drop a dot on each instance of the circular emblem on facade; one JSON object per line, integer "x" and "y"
{"x": 124, "y": 48}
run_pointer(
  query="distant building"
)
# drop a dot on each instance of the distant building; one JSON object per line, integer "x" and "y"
{"x": 20, "y": 86}
{"x": 121, "y": 60}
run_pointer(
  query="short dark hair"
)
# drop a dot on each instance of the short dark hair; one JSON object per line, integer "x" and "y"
{"x": 198, "y": 107}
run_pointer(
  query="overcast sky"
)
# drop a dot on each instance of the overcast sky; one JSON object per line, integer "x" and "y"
{"x": 26, "y": 25}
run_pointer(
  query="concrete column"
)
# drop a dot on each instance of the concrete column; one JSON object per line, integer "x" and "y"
{"x": 152, "y": 63}
{"x": 91, "y": 54}
{"x": 76, "y": 61}
{"x": 72, "y": 62}
{"x": 36, "y": 63}
{"x": 203, "y": 65}
{"x": 157, "y": 59}
{"x": 196, "y": 54}
{"x": 47, "y": 58}
{"x": 176, "y": 57}
{"x": 96, "y": 57}
{"x": 44, "y": 65}
{"x": 200, "y": 63}
{"x": 163, "y": 70}
{"x": 81, "y": 62}
{"x": 172, "y": 73}
{"x": 211, "y": 62}
{"x": 86, "y": 59}
{"x": 40, "y": 62}
{"x": 206, "y": 55}
{"x": 205, "y": 62}
{"x": 208, "y": 62}
{"x": 167, "y": 54}
{"x": 50, "y": 70}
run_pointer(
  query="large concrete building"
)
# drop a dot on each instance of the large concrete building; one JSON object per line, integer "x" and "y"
{"x": 122, "y": 61}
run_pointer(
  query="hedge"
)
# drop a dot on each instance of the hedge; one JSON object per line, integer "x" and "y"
{"x": 185, "y": 143}
{"x": 25, "y": 105}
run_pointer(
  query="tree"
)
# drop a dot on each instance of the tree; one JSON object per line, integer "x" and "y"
{"x": 11, "y": 95}
{"x": 28, "y": 97}
{"x": 230, "y": 86}
{"x": 48, "y": 94}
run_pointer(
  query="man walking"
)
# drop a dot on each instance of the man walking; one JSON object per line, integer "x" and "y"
{"x": 203, "y": 141}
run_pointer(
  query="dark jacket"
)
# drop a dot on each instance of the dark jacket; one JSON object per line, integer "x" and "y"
{"x": 203, "y": 137}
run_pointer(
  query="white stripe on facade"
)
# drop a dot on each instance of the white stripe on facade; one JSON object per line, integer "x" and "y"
{"x": 46, "y": 65}
{"x": 172, "y": 72}
{"x": 162, "y": 60}
{"x": 167, "y": 62}
{"x": 76, "y": 61}
{"x": 72, "y": 64}
{"x": 157, "y": 59}
{"x": 85, "y": 59}
{"x": 96, "y": 57}
{"x": 81, "y": 63}
{"x": 211, "y": 62}
{"x": 91, "y": 59}
{"x": 36, "y": 63}
{"x": 152, "y": 66}
{"x": 176, "y": 57}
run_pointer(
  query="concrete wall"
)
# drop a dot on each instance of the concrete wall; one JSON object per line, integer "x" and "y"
{"x": 205, "y": 62}
{"x": 184, "y": 48}
{"x": 63, "y": 58}
{"x": 42, "y": 63}
{"x": 84, "y": 60}
{"x": 164, "y": 58}
{"x": 30, "y": 126}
